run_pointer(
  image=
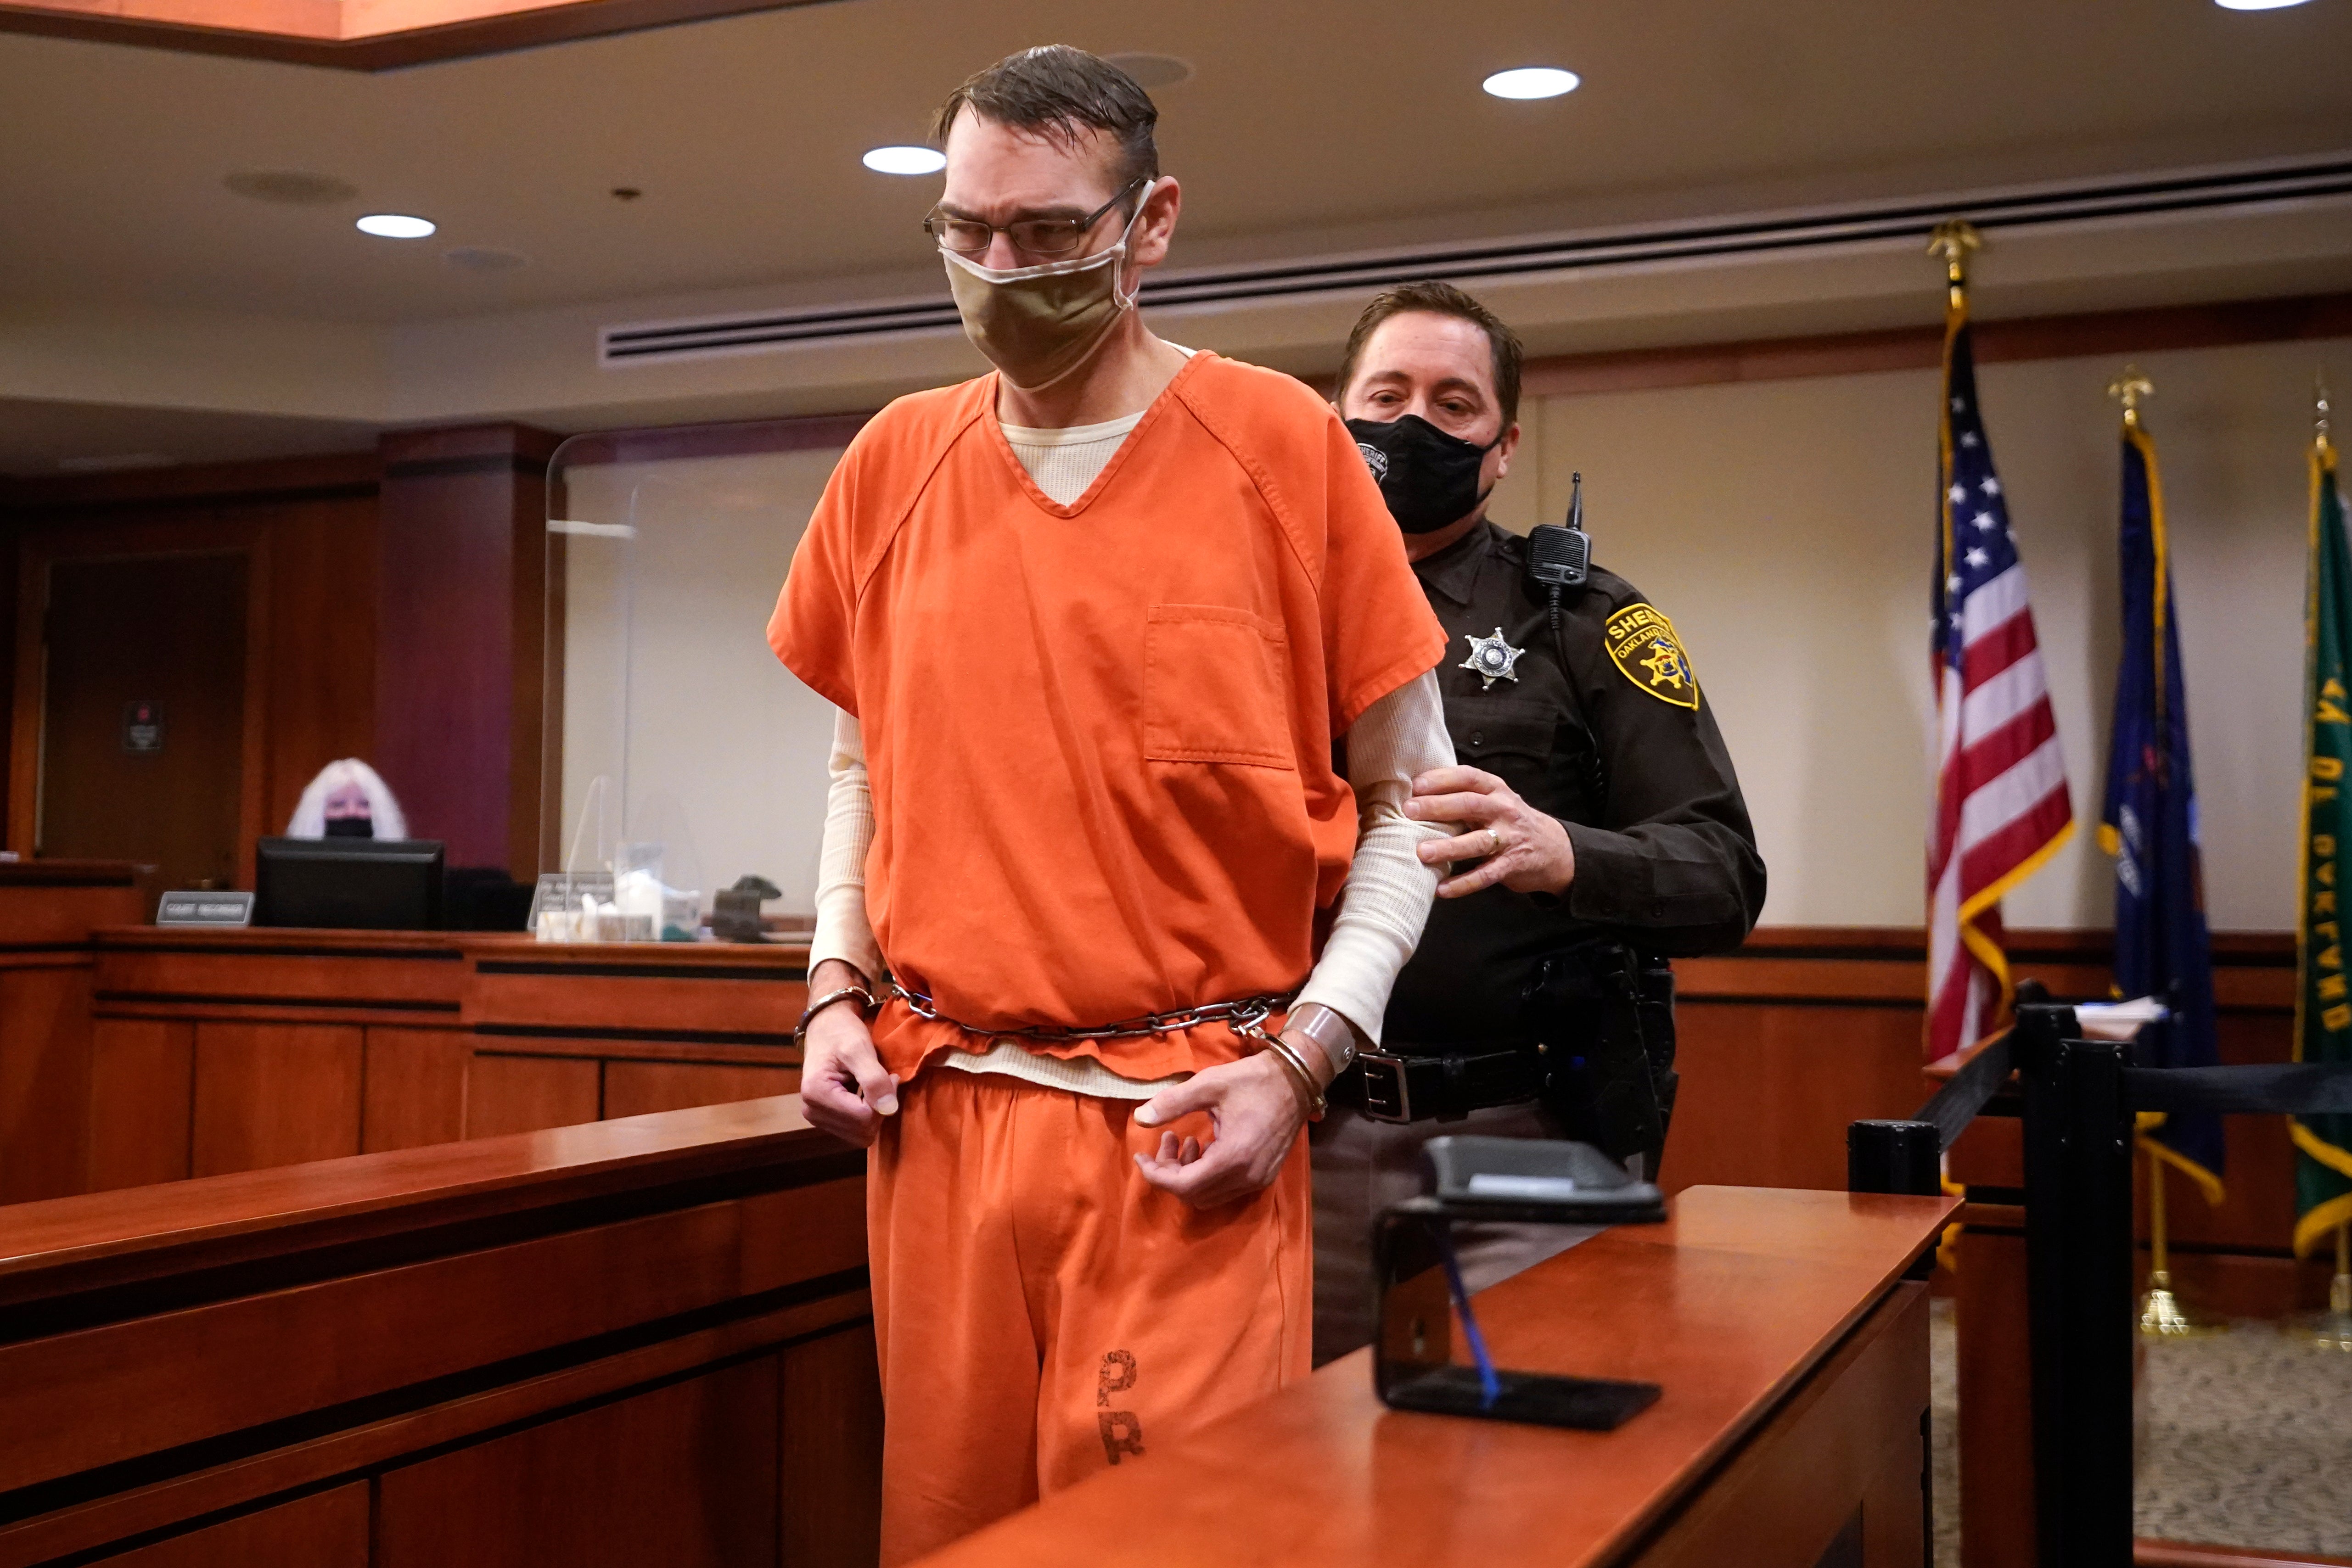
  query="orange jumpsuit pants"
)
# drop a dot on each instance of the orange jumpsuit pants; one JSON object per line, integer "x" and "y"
{"x": 1042, "y": 1311}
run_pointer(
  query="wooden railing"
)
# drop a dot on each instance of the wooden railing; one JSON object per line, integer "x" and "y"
{"x": 642, "y": 1341}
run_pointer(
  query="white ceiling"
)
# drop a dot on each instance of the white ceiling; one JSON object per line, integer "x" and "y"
{"x": 1307, "y": 128}
{"x": 744, "y": 132}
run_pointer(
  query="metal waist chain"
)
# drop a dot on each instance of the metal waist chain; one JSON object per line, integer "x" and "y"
{"x": 1246, "y": 1016}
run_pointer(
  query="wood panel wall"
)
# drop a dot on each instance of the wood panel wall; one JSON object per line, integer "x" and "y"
{"x": 47, "y": 911}
{"x": 1804, "y": 1031}
{"x": 309, "y": 687}
{"x": 216, "y": 1051}
{"x": 460, "y": 666}
{"x": 401, "y": 620}
{"x": 351, "y": 1041}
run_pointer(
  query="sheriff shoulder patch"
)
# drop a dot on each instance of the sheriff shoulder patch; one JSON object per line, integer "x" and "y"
{"x": 1643, "y": 647}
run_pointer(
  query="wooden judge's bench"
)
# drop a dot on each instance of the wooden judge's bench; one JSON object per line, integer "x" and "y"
{"x": 132, "y": 1054}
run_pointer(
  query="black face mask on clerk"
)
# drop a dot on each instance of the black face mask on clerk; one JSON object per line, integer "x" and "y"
{"x": 1430, "y": 479}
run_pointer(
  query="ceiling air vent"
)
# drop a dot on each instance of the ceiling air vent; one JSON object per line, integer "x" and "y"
{"x": 1757, "y": 235}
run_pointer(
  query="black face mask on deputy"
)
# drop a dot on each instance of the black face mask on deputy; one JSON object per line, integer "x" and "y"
{"x": 1429, "y": 479}
{"x": 351, "y": 828}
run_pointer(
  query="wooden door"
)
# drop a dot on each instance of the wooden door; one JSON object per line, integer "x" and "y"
{"x": 142, "y": 713}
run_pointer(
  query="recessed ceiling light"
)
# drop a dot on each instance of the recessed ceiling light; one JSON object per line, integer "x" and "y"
{"x": 1152, "y": 71}
{"x": 395, "y": 225}
{"x": 906, "y": 159}
{"x": 1532, "y": 81}
{"x": 290, "y": 187}
{"x": 2256, "y": 4}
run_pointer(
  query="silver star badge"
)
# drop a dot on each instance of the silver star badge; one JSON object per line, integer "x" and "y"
{"x": 1492, "y": 658}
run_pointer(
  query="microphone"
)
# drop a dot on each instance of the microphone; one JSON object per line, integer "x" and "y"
{"x": 1559, "y": 557}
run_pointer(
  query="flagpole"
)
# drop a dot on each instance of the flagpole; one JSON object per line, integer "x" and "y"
{"x": 2332, "y": 1329}
{"x": 2339, "y": 1288}
{"x": 1952, "y": 240}
{"x": 2161, "y": 1313}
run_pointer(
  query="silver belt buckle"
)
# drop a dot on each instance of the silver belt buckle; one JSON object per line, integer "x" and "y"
{"x": 1386, "y": 1097}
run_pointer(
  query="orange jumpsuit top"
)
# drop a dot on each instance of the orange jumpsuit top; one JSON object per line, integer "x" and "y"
{"x": 1098, "y": 736}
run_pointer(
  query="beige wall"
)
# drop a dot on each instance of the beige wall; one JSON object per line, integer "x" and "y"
{"x": 1785, "y": 526}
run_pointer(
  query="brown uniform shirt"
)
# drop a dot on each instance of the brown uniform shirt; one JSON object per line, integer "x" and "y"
{"x": 1620, "y": 743}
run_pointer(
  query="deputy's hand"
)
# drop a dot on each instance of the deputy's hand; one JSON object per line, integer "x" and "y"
{"x": 843, "y": 1090}
{"x": 1529, "y": 852}
{"x": 1254, "y": 1106}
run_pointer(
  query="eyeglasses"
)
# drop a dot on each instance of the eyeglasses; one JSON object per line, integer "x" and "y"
{"x": 1033, "y": 236}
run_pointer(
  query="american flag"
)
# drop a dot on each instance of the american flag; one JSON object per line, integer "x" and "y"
{"x": 2001, "y": 804}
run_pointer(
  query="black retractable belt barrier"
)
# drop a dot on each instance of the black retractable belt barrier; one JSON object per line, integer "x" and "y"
{"x": 2082, "y": 1099}
{"x": 2287, "y": 1089}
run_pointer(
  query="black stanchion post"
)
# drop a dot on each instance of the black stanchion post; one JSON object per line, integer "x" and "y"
{"x": 2039, "y": 1026}
{"x": 2079, "y": 1288}
{"x": 1894, "y": 1156}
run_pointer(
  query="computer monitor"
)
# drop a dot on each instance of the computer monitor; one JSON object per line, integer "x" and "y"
{"x": 360, "y": 884}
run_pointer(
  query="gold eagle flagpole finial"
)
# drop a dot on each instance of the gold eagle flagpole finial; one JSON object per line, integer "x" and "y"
{"x": 2130, "y": 389}
{"x": 1953, "y": 239}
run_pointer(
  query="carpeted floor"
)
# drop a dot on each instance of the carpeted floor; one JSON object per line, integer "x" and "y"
{"x": 1944, "y": 1429}
{"x": 2249, "y": 1443}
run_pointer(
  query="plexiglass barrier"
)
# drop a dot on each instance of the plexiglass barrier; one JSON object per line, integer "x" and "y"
{"x": 689, "y": 760}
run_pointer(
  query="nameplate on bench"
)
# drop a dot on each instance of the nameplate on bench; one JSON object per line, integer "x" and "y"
{"x": 204, "y": 909}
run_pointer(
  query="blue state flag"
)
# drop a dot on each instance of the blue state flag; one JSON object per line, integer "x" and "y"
{"x": 2162, "y": 947}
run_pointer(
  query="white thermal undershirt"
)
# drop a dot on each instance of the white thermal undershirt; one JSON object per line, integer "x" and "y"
{"x": 1064, "y": 462}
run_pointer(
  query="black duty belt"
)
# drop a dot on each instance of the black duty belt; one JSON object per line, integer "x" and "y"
{"x": 1389, "y": 1087}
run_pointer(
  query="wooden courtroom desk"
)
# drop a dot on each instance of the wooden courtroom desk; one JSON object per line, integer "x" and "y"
{"x": 224, "y": 1051}
{"x": 47, "y": 911}
{"x": 643, "y": 1341}
{"x": 1792, "y": 1433}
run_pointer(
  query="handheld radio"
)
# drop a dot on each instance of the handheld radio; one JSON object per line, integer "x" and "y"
{"x": 1559, "y": 557}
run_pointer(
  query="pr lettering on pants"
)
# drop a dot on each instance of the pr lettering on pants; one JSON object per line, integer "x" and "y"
{"x": 1122, "y": 1431}
{"x": 1117, "y": 1375}
{"x": 1121, "y": 1434}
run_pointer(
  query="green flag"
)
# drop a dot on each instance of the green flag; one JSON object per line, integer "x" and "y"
{"x": 2323, "y": 1032}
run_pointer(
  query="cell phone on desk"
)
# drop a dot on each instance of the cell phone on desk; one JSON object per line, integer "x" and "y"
{"x": 1428, "y": 1355}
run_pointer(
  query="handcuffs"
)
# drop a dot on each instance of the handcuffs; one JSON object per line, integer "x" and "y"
{"x": 1331, "y": 1032}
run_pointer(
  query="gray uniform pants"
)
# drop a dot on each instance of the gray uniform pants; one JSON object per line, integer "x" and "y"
{"x": 1362, "y": 1166}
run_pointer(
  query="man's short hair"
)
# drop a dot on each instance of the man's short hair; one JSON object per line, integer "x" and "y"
{"x": 1061, "y": 94}
{"x": 1436, "y": 298}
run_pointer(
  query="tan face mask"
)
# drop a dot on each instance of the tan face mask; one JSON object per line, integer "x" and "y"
{"x": 1039, "y": 324}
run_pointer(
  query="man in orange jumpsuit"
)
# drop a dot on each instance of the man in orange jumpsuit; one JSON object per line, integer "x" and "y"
{"x": 1092, "y": 623}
